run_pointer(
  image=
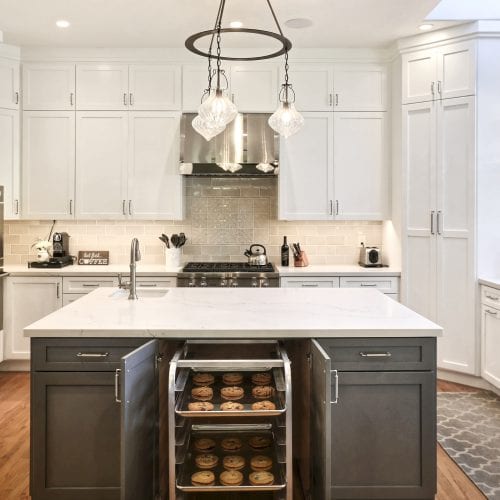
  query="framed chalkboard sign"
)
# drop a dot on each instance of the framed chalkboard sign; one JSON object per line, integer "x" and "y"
{"x": 93, "y": 257}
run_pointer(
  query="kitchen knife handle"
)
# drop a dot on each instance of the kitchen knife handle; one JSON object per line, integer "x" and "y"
{"x": 432, "y": 222}
{"x": 117, "y": 385}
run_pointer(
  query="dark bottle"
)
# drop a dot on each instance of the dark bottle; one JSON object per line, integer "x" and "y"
{"x": 285, "y": 253}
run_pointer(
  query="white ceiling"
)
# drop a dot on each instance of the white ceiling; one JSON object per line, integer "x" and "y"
{"x": 167, "y": 23}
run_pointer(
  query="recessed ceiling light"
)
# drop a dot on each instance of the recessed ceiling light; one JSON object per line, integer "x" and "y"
{"x": 235, "y": 24}
{"x": 62, "y": 23}
{"x": 426, "y": 27}
{"x": 299, "y": 22}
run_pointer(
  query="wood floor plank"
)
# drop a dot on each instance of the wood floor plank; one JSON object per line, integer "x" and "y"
{"x": 453, "y": 484}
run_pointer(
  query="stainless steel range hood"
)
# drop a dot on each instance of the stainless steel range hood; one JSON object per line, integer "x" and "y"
{"x": 248, "y": 147}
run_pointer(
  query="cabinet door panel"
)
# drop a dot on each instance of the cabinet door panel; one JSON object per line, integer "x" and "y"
{"x": 27, "y": 300}
{"x": 360, "y": 163}
{"x": 255, "y": 88}
{"x": 49, "y": 87}
{"x": 490, "y": 341}
{"x": 102, "y": 86}
{"x": 9, "y": 84}
{"x": 101, "y": 165}
{"x": 455, "y": 242}
{"x": 75, "y": 437}
{"x": 9, "y": 161}
{"x": 419, "y": 76}
{"x": 155, "y": 87}
{"x": 366, "y": 448}
{"x": 457, "y": 69}
{"x": 306, "y": 170}
{"x": 155, "y": 185}
{"x": 360, "y": 88}
{"x": 313, "y": 86}
{"x": 48, "y": 164}
{"x": 139, "y": 409}
{"x": 194, "y": 82}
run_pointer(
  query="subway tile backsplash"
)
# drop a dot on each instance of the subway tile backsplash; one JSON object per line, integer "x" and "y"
{"x": 223, "y": 217}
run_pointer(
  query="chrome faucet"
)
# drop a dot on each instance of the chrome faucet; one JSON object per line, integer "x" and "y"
{"x": 135, "y": 255}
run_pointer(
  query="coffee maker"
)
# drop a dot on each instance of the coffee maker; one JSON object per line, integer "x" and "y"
{"x": 60, "y": 249}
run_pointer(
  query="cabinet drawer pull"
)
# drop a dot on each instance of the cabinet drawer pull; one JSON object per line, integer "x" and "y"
{"x": 71, "y": 99}
{"x": 439, "y": 223}
{"x": 439, "y": 87}
{"x": 70, "y": 207}
{"x": 368, "y": 284}
{"x": 130, "y": 207}
{"x": 492, "y": 313}
{"x": 336, "y": 99}
{"x": 123, "y": 207}
{"x": 331, "y": 207}
{"x": 93, "y": 354}
{"x": 336, "y": 207}
{"x": 124, "y": 99}
{"x": 375, "y": 354}
{"x": 432, "y": 222}
{"x": 90, "y": 285}
{"x": 17, "y": 97}
{"x": 146, "y": 285}
{"x": 330, "y": 99}
{"x": 58, "y": 291}
{"x": 432, "y": 88}
{"x": 336, "y": 400}
{"x": 492, "y": 297}
{"x": 314, "y": 285}
{"x": 131, "y": 99}
{"x": 117, "y": 385}
{"x": 17, "y": 207}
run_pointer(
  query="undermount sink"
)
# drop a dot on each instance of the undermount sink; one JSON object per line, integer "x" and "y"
{"x": 143, "y": 293}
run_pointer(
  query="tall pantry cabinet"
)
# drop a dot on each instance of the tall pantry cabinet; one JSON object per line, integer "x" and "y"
{"x": 446, "y": 112}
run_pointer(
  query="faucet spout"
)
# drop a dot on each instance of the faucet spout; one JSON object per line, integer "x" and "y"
{"x": 135, "y": 255}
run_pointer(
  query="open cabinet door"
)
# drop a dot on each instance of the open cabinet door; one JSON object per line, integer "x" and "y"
{"x": 139, "y": 417}
{"x": 321, "y": 431}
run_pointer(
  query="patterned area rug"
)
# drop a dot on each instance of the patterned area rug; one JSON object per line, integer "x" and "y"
{"x": 469, "y": 430}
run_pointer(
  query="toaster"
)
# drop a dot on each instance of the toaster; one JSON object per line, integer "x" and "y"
{"x": 370, "y": 256}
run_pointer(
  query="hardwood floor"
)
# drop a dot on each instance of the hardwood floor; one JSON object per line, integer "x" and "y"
{"x": 453, "y": 484}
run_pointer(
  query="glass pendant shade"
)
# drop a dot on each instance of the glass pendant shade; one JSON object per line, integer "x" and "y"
{"x": 286, "y": 120}
{"x": 204, "y": 130}
{"x": 217, "y": 111}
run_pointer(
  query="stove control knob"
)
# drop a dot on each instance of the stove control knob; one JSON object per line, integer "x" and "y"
{"x": 234, "y": 283}
{"x": 203, "y": 281}
{"x": 264, "y": 282}
{"x": 254, "y": 283}
{"x": 191, "y": 283}
{"x": 223, "y": 282}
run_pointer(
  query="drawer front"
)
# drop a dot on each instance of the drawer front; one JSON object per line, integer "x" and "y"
{"x": 490, "y": 296}
{"x": 80, "y": 354}
{"x": 87, "y": 284}
{"x": 312, "y": 282}
{"x": 381, "y": 283}
{"x": 68, "y": 298}
{"x": 412, "y": 354}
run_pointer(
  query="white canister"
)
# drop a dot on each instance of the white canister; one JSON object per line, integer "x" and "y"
{"x": 173, "y": 257}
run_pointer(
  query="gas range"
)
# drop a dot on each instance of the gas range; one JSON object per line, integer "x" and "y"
{"x": 227, "y": 274}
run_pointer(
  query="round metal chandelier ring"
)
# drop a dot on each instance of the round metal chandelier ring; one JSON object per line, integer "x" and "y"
{"x": 287, "y": 44}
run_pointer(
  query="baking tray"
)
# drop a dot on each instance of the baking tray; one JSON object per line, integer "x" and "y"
{"x": 183, "y": 481}
{"x": 181, "y": 407}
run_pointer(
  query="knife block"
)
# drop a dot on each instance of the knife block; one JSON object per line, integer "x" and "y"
{"x": 301, "y": 260}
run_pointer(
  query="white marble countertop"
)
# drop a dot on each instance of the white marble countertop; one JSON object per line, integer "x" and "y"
{"x": 494, "y": 282}
{"x": 240, "y": 313}
{"x": 338, "y": 270}
{"x": 76, "y": 270}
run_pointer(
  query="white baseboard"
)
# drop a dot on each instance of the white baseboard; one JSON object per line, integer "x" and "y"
{"x": 470, "y": 380}
{"x": 15, "y": 365}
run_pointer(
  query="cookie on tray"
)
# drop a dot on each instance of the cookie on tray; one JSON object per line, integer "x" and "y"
{"x": 261, "y": 463}
{"x": 231, "y": 444}
{"x": 263, "y": 392}
{"x": 205, "y": 445}
{"x": 206, "y": 461}
{"x": 232, "y": 393}
{"x": 261, "y": 378}
{"x": 233, "y": 462}
{"x": 261, "y": 478}
{"x": 263, "y": 406}
{"x": 231, "y": 478}
{"x": 232, "y": 378}
{"x": 202, "y": 393}
{"x": 200, "y": 406}
{"x": 203, "y": 478}
{"x": 231, "y": 406}
{"x": 259, "y": 442}
{"x": 203, "y": 379}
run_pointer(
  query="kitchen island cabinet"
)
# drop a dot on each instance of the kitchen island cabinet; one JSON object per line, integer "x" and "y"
{"x": 75, "y": 363}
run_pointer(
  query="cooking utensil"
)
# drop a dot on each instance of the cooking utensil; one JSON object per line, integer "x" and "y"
{"x": 175, "y": 240}
{"x": 164, "y": 238}
{"x": 182, "y": 239}
{"x": 256, "y": 255}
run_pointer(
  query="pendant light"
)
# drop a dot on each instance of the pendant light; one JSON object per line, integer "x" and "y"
{"x": 286, "y": 120}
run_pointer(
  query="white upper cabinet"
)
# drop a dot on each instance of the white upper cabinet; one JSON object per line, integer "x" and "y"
{"x": 48, "y": 87}
{"x": 439, "y": 73}
{"x": 101, "y": 165}
{"x": 361, "y": 168}
{"x": 194, "y": 82}
{"x": 306, "y": 170}
{"x": 102, "y": 87}
{"x": 48, "y": 171}
{"x": 9, "y": 84}
{"x": 154, "y": 87}
{"x": 154, "y": 182}
{"x": 360, "y": 88}
{"x": 255, "y": 87}
{"x": 9, "y": 161}
{"x": 313, "y": 86}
